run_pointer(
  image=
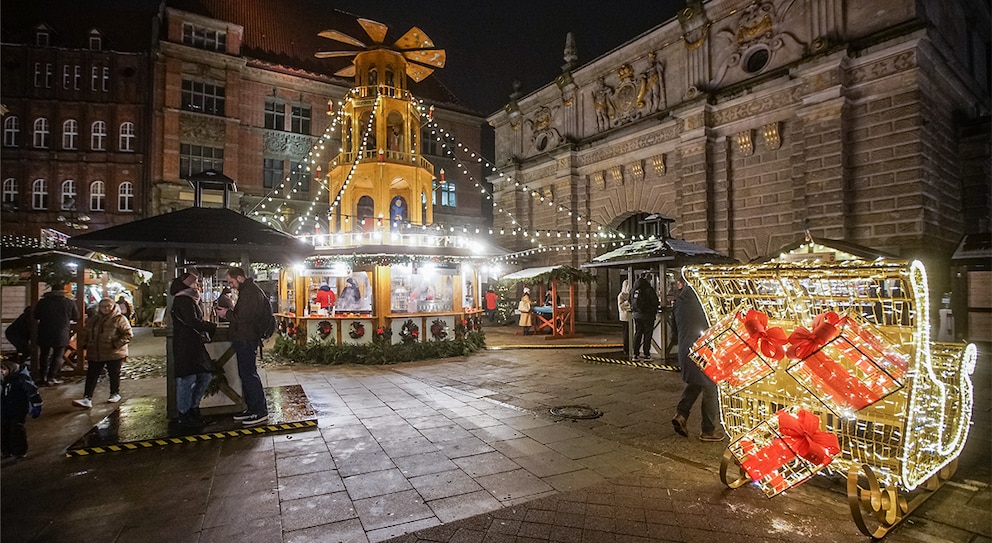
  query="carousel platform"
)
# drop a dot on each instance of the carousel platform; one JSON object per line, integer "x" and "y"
{"x": 141, "y": 423}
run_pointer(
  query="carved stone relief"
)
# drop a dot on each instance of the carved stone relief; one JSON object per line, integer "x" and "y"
{"x": 754, "y": 43}
{"x": 201, "y": 129}
{"x": 658, "y": 161}
{"x": 616, "y": 173}
{"x": 597, "y": 179}
{"x": 636, "y": 171}
{"x": 286, "y": 144}
{"x": 543, "y": 135}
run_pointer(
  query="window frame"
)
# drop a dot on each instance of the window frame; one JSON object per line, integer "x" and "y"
{"x": 202, "y": 97}
{"x": 98, "y": 195}
{"x": 126, "y": 137}
{"x": 11, "y": 130}
{"x": 70, "y": 130}
{"x": 10, "y": 191}
{"x": 67, "y": 195}
{"x": 39, "y": 194}
{"x": 300, "y": 119}
{"x": 98, "y": 136}
{"x": 40, "y": 133}
{"x": 125, "y": 197}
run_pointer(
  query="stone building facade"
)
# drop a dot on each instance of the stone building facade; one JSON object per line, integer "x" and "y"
{"x": 753, "y": 122}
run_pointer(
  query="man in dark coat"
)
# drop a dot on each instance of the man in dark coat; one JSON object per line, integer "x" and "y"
{"x": 644, "y": 309}
{"x": 690, "y": 323}
{"x": 18, "y": 333}
{"x": 55, "y": 314}
{"x": 248, "y": 318}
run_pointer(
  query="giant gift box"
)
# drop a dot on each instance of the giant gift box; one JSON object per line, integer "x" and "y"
{"x": 785, "y": 450}
{"x": 739, "y": 349}
{"x": 845, "y": 363}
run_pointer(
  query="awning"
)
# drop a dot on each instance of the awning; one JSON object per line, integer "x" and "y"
{"x": 200, "y": 234}
{"x": 825, "y": 250}
{"x": 672, "y": 252}
{"x": 528, "y": 273}
{"x": 28, "y": 260}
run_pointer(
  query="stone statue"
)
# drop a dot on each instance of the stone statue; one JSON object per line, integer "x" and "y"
{"x": 602, "y": 101}
{"x": 652, "y": 92}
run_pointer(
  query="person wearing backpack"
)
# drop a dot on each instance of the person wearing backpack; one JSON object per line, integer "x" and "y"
{"x": 644, "y": 305}
{"x": 250, "y": 319}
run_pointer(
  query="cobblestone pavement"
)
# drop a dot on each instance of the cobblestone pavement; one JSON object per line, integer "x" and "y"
{"x": 456, "y": 450}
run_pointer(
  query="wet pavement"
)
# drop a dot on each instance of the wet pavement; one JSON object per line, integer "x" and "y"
{"x": 456, "y": 450}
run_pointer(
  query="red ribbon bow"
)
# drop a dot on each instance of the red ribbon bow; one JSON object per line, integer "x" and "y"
{"x": 768, "y": 341}
{"x": 803, "y": 435}
{"x": 805, "y": 342}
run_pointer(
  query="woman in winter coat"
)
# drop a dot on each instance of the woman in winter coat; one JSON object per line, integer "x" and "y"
{"x": 524, "y": 307}
{"x": 623, "y": 306}
{"x": 105, "y": 342}
{"x": 193, "y": 363}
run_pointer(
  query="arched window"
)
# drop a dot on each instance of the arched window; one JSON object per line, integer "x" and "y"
{"x": 366, "y": 214}
{"x": 125, "y": 197}
{"x": 68, "y": 194}
{"x": 10, "y": 191}
{"x": 41, "y": 133}
{"x": 11, "y": 129}
{"x": 397, "y": 213}
{"x": 98, "y": 136}
{"x": 39, "y": 194}
{"x": 70, "y": 131}
{"x": 98, "y": 196}
{"x": 126, "y": 141}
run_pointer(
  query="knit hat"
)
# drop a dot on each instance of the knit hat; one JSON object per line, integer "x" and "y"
{"x": 189, "y": 279}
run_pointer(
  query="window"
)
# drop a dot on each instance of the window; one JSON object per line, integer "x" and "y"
{"x": 77, "y": 76}
{"x": 300, "y": 178}
{"x": 96, "y": 41}
{"x": 299, "y": 119}
{"x": 37, "y": 74}
{"x": 125, "y": 197}
{"x": 106, "y": 79}
{"x": 11, "y": 128}
{"x": 429, "y": 144}
{"x": 271, "y": 172}
{"x": 10, "y": 191}
{"x": 68, "y": 195}
{"x": 41, "y": 37}
{"x": 203, "y": 97}
{"x": 197, "y": 158}
{"x": 41, "y": 133}
{"x": 65, "y": 76}
{"x": 275, "y": 115}
{"x": 203, "y": 38}
{"x": 98, "y": 196}
{"x": 48, "y": 75}
{"x": 39, "y": 194}
{"x": 445, "y": 193}
{"x": 126, "y": 141}
{"x": 94, "y": 77}
{"x": 98, "y": 136}
{"x": 70, "y": 131}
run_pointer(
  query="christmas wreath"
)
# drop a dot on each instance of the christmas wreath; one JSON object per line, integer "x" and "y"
{"x": 324, "y": 328}
{"x": 383, "y": 333}
{"x": 357, "y": 330}
{"x": 439, "y": 329}
{"x": 410, "y": 331}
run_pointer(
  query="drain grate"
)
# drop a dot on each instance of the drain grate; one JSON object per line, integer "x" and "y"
{"x": 576, "y": 412}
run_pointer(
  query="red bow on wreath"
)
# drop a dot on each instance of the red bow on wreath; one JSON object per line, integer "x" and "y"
{"x": 768, "y": 341}
{"x": 805, "y": 342}
{"x": 803, "y": 435}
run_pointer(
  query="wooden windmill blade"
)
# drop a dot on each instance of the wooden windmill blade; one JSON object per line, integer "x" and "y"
{"x": 414, "y": 38}
{"x": 347, "y": 71}
{"x": 375, "y": 29}
{"x": 337, "y": 35}
{"x": 334, "y": 54}
{"x": 428, "y": 57}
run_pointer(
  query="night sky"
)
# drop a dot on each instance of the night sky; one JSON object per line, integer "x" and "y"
{"x": 490, "y": 44}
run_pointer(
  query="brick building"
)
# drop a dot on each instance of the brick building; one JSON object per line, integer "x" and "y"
{"x": 77, "y": 119}
{"x": 753, "y": 122}
{"x": 110, "y": 110}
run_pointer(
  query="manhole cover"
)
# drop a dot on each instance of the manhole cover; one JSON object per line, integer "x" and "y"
{"x": 576, "y": 412}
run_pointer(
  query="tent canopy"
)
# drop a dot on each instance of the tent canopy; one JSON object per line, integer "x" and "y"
{"x": 28, "y": 260}
{"x": 563, "y": 274}
{"x": 826, "y": 250}
{"x": 670, "y": 251}
{"x": 201, "y": 235}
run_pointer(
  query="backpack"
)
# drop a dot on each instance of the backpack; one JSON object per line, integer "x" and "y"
{"x": 267, "y": 321}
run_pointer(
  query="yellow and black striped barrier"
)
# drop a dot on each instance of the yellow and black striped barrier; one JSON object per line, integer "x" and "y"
{"x": 623, "y": 361}
{"x": 194, "y": 438}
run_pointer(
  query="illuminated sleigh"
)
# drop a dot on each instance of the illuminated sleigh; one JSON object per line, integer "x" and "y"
{"x": 896, "y": 451}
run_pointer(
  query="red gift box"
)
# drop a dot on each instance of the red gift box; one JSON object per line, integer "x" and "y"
{"x": 785, "y": 450}
{"x": 845, "y": 364}
{"x": 739, "y": 349}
